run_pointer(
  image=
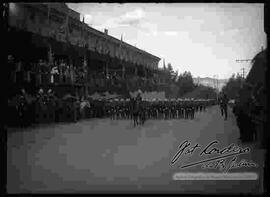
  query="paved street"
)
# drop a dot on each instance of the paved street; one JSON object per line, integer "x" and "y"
{"x": 113, "y": 156}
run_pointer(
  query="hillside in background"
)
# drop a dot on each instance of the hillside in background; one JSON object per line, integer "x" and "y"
{"x": 211, "y": 82}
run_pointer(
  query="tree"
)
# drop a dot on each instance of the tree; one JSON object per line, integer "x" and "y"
{"x": 233, "y": 86}
{"x": 201, "y": 92}
{"x": 168, "y": 73}
{"x": 169, "y": 68}
{"x": 185, "y": 83}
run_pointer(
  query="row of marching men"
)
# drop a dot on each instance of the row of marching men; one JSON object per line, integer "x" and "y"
{"x": 44, "y": 107}
{"x": 157, "y": 109}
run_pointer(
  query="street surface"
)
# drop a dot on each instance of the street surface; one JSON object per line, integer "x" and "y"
{"x": 103, "y": 155}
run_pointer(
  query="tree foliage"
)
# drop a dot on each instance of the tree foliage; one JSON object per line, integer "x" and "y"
{"x": 180, "y": 85}
{"x": 185, "y": 83}
{"x": 202, "y": 92}
{"x": 233, "y": 86}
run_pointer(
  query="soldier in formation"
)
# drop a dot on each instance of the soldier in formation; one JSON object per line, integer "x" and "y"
{"x": 46, "y": 107}
{"x": 157, "y": 108}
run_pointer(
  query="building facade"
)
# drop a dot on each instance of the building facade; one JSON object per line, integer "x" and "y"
{"x": 52, "y": 31}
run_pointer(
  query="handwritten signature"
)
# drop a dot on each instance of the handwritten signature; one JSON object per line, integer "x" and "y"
{"x": 217, "y": 162}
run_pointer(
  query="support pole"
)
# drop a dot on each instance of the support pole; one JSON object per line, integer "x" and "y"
{"x": 123, "y": 71}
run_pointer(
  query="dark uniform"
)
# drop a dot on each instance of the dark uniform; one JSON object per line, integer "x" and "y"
{"x": 224, "y": 106}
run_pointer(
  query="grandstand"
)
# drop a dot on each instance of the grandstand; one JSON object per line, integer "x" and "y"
{"x": 49, "y": 47}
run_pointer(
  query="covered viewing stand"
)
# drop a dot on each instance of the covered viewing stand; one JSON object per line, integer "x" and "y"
{"x": 31, "y": 47}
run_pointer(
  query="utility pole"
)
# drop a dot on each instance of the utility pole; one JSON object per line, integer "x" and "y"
{"x": 243, "y": 73}
{"x": 243, "y": 69}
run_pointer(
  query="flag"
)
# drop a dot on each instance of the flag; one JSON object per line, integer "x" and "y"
{"x": 50, "y": 55}
{"x": 121, "y": 53}
{"x": 82, "y": 35}
{"x": 164, "y": 65}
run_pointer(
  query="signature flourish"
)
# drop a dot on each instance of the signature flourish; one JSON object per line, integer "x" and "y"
{"x": 214, "y": 162}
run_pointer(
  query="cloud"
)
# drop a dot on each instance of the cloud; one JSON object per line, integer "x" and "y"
{"x": 171, "y": 33}
{"x": 132, "y": 18}
{"x": 88, "y": 19}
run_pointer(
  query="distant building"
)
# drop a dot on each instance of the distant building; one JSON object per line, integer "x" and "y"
{"x": 210, "y": 82}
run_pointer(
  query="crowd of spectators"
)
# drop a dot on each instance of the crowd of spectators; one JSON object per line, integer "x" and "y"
{"x": 43, "y": 72}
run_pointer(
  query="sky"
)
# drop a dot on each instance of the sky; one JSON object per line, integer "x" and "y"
{"x": 205, "y": 39}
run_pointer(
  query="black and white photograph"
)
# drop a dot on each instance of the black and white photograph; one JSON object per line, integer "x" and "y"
{"x": 135, "y": 98}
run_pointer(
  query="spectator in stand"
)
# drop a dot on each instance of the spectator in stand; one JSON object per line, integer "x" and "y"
{"x": 39, "y": 71}
{"x": 40, "y": 97}
{"x": 61, "y": 70}
{"x": 85, "y": 74}
{"x": 54, "y": 74}
{"x": 72, "y": 74}
{"x": 46, "y": 72}
{"x": 67, "y": 74}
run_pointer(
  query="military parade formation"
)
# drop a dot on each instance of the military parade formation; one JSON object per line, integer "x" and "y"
{"x": 55, "y": 84}
{"x": 45, "y": 107}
